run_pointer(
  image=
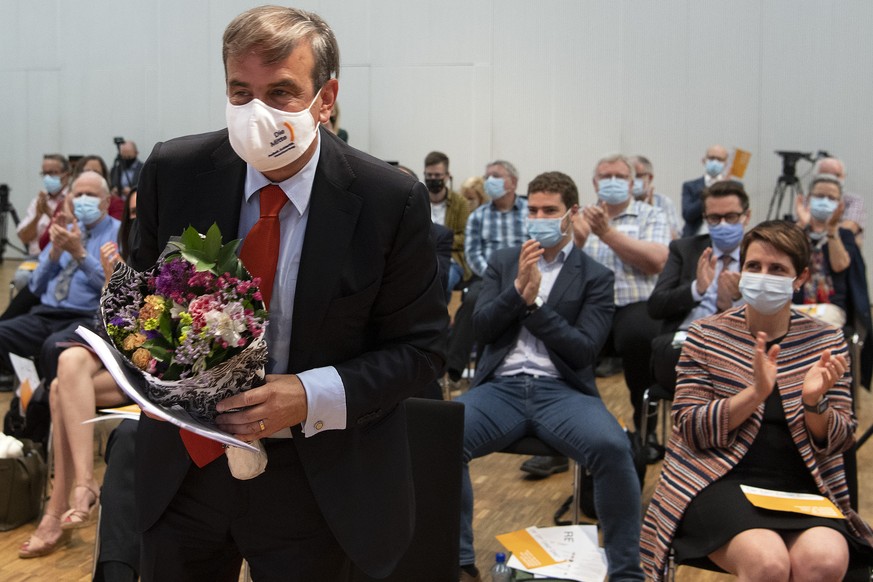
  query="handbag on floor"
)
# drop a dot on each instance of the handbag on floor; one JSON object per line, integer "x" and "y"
{"x": 22, "y": 484}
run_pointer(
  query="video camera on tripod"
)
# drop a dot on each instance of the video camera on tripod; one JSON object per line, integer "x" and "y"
{"x": 788, "y": 181}
{"x": 6, "y": 209}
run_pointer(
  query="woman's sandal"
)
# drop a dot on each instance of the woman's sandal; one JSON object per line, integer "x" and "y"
{"x": 36, "y": 547}
{"x": 76, "y": 518}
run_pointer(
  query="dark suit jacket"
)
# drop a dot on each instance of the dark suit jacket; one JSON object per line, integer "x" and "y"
{"x": 573, "y": 324}
{"x": 671, "y": 300}
{"x": 442, "y": 239}
{"x": 368, "y": 301}
{"x": 692, "y": 205}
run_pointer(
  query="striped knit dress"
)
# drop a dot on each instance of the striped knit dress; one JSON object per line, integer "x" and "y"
{"x": 716, "y": 363}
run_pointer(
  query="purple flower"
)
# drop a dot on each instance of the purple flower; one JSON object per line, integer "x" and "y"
{"x": 172, "y": 280}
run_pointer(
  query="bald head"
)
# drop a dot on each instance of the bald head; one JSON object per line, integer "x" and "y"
{"x": 128, "y": 150}
{"x": 716, "y": 152}
{"x": 833, "y": 167}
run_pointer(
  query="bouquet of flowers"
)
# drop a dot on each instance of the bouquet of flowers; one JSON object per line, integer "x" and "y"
{"x": 193, "y": 324}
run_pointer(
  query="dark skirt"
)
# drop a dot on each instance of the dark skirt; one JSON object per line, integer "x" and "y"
{"x": 721, "y": 510}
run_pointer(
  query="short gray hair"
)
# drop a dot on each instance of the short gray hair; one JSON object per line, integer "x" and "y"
{"x": 275, "y": 31}
{"x": 643, "y": 161}
{"x": 827, "y": 179}
{"x": 612, "y": 159}
{"x": 506, "y": 166}
{"x": 104, "y": 185}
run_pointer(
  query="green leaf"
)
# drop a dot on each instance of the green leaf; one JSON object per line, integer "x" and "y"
{"x": 199, "y": 259}
{"x": 212, "y": 244}
{"x": 159, "y": 353}
{"x": 172, "y": 372}
{"x": 191, "y": 240}
{"x": 227, "y": 261}
{"x": 165, "y": 326}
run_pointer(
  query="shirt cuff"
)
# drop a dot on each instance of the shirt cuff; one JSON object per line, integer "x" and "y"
{"x": 694, "y": 294}
{"x": 325, "y": 400}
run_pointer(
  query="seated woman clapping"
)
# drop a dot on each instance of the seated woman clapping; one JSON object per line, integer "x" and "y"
{"x": 81, "y": 386}
{"x": 762, "y": 399}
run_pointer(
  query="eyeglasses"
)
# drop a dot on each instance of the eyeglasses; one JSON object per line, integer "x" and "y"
{"x": 730, "y": 218}
{"x": 611, "y": 176}
{"x": 833, "y": 197}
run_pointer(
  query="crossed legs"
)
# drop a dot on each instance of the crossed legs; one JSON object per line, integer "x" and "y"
{"x": 80, "y": 387}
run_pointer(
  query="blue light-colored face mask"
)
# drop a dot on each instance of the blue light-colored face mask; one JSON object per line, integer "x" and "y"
{"x": 87, "y": 209}
{"x": 613, "y": 190}
{"x": 546, "y": 231}
{"x": 726, "y": 237}
{"x": 639, "y": 191}
{"x": 822, "y": 208}
{"x": 52, "y": 184}
{"x": 714, "y": 167}
{"x": 495, "y": 187}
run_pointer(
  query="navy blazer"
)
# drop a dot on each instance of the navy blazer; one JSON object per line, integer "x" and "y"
{"x": 692, "y": 205}
{"x": 573, "y": 323}
{"x": 369, "y": 301}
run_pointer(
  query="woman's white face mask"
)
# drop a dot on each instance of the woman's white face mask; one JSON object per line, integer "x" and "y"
{"x": 766, "y": 294}
{"x": 267, "y": 138}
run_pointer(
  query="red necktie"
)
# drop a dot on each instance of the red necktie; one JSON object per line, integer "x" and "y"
{"x": 259, "y": 254}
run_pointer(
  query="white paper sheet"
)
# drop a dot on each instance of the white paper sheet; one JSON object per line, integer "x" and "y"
{"x": 577, "y": 544}
{"x": 130, "y": 381}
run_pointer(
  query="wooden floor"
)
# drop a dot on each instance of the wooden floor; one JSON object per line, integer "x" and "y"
{"x": 505, "y": 499}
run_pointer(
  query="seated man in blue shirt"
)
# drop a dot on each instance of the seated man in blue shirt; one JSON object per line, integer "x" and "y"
{"x": 543, "y": 314}
{"x": 69, "y": 277}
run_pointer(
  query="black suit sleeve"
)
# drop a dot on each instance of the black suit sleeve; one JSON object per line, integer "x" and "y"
{"x": 578, "y": 343}
{"x": 406, "y": 326}
{"x": 672, "y": 297}
{"x": 692, "y": 206}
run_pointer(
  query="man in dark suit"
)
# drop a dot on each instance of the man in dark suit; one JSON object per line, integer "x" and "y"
{"x": 356, "y": 320}
{"x": 701, "y": 276}
{"x": 692, "y": 205}
{"x": 543, "y": 315}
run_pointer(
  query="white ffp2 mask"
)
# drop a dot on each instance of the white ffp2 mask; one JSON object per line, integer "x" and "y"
{"x": 268, "y": 138}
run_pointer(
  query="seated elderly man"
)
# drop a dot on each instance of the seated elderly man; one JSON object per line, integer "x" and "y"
{"x": 69, "y": 277}
{"x": 543, "y": 314}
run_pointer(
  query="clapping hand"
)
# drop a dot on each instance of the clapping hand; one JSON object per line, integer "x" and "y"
{"x": 801, "y": 211}
{"x": 822, "y": 376}
{"x": 597, "y": 218}
{"x": 764, "y": 366}
{"x": 581, "y": 229}
{"x": 527, "y": 283}
{"x": 705, "y": 270}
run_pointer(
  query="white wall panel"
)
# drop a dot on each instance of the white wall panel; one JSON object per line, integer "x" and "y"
{"x": 550, "y": 85}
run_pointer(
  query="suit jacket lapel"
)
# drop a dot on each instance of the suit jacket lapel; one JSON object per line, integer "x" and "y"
{"x": 569, "y": 272}
{"x": 333, "y": 215}
{"x": 228, "y": 169}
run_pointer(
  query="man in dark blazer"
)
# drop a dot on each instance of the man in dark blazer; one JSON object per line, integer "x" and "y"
{"x": 692, "y": 204}
{"x": 696, "y": 282}
{"x": 543, "y": 315}
{"x": 356, "y": 321}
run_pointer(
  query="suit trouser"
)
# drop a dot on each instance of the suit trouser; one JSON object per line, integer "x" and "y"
{"x": 273, "y": 521}
{"x": 506, "y": 408}
{"x": 34, "y": 334}
{"x": 462, "y": 337}
{"x": 632, "y": 334}
{"x": 119, "y": 538}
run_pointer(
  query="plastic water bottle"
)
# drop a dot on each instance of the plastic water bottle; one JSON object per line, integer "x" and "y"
{"x": 500, "y": 572}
